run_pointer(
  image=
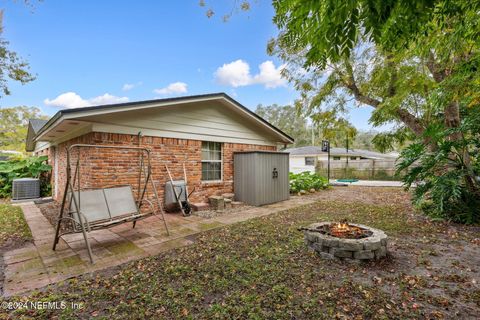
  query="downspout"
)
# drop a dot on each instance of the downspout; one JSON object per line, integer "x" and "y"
{"x": 140, "y": 160}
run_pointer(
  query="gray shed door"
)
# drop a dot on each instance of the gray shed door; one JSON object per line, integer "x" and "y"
{"x": 272, "y": 178}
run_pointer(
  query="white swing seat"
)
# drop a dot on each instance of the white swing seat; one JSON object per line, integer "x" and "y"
{"x": 102, "y": 208}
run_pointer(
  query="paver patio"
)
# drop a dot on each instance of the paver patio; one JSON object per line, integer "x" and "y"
{"x": 37, "y": 265}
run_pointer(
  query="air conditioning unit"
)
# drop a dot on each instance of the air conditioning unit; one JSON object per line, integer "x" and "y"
{"x": 25, "y": 188}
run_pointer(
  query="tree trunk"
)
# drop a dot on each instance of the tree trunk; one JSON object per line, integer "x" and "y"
{"x": 452, "y": 119}
{"x": 410, "y": 121}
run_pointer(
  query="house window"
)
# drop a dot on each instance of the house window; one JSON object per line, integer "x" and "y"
{"x": 211, "y": 161}
{"x": 353, "y": 158}
{"x": 336, "y": 158}
{"x": 309, "y": 161}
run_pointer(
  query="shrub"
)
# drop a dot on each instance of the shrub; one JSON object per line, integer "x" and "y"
{"x": 32, "y": 167}
{"x": 307, "y": 181}
{"x": 446, "y": 178}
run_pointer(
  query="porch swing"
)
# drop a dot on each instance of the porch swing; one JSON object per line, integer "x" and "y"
{"x": 88, "y": 209}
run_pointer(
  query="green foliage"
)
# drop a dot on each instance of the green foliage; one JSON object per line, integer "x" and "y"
{"x": 448, "y": 178}
{"x": 14, "y": 126}
{"x": 306, "y": 181}
{"x": 293, "y": 121}
{"x": 416, "y": 63}
{"x": 34, "y": 167}
{"x": 13, "y": 226}
{"x": 289, "y": 120}
{"x": 395, "y": 86}
{"x": 395, "y": 56}
{"x": 392, "y": 140}
{"x": 328, "y": 31}
{"x": 335, "y": 129}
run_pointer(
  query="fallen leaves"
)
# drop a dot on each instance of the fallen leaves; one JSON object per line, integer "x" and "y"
{"x": 262, "y": 269}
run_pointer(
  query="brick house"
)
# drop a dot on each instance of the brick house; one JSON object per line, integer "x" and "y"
{"x": 200, "y": 131}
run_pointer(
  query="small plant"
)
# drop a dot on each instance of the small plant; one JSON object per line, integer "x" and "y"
{"x": 306, "y": 181}
{"x": 32, "y": 167}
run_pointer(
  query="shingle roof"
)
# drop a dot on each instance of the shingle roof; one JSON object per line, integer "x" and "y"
{"x": 37, "y": 124}
{"x": 315, "y": 150}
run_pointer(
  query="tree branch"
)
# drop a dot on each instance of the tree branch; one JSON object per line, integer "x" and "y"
{"x": 351, "y": 84}
{"x": 437, "y": 73}
{"x": 406, "y": 117}
{"x": 392, "y": 89}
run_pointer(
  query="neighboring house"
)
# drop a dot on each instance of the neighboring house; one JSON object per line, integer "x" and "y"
{"x": 34, "y": 126}
{"x": 6, "y": 154}
{"x": 201, "y": 131}
{"x": 308, "y": 158}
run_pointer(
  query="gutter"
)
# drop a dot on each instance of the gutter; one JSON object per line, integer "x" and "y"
{"x": 48, "y": 124}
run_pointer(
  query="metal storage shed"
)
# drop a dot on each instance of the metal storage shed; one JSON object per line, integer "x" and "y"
{"x": 261, "y": 177}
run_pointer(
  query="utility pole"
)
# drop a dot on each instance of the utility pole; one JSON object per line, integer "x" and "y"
{"x": 313, "y": 133}
{"x": 346, "y": 167}
{"x": 326, "y": 148}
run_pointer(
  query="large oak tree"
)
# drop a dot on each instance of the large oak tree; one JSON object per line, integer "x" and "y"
{"x": 416, "y": 63}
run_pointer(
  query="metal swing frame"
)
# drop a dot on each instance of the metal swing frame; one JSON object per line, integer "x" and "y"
{"x": 73, "y": 193}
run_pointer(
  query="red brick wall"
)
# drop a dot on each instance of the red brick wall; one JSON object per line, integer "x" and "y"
{"x": 109, "y": 167}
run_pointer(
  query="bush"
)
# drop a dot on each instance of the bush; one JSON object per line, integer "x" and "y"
{"x": 32, "y": 167}
{"x": 307, "y": 181}
{"x": 446, "y": 178}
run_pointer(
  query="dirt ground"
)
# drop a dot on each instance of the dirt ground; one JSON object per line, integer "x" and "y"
{"x": 369, "y": 195}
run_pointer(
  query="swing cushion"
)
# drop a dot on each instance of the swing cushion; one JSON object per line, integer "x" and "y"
{"x": 120, "y": 201}
{"x": 105, "y": 204}
{"x": 92, "y": 205}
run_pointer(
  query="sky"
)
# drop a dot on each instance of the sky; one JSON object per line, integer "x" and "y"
{"x": 101, "y": 52}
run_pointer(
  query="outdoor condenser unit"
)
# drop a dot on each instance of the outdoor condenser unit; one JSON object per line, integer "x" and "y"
{"x": 25, "y": 188}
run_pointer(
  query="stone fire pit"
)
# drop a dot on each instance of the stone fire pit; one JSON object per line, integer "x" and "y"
{"x": 359, "y": 242}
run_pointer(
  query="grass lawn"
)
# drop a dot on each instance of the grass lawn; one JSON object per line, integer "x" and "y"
{"x": 261, "y": 269}
{"x": 13, "y": 227}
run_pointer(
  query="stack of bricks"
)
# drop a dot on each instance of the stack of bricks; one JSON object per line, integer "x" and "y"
{"x": 220, "y": 203}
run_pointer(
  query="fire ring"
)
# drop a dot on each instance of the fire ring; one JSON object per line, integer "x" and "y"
{"x": 346, "y": 241}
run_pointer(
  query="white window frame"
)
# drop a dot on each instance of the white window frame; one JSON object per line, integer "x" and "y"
{"x": 217, "y": 161}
